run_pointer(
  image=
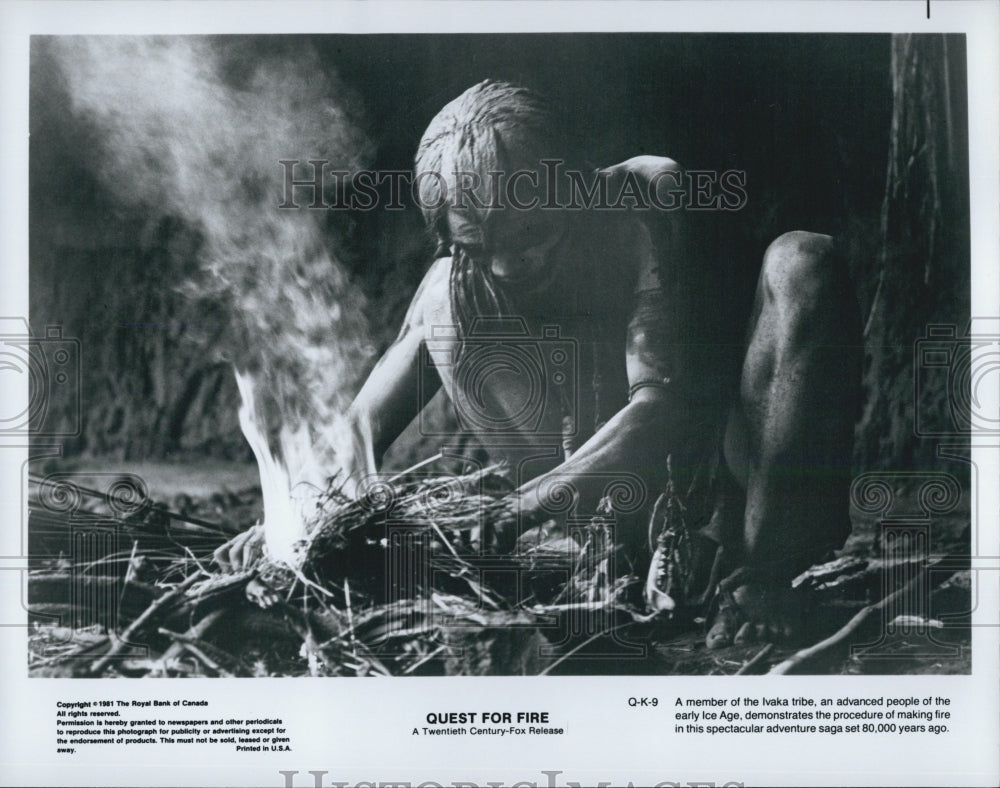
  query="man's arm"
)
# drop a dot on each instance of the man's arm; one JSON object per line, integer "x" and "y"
{"x": 658, "y": 418}
{"x": 634, "y": 442}
{"x": 389, "y": 400}
{"x": 394, "y": 392}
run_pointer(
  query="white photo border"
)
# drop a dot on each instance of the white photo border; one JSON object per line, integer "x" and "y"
{"x": 359, "y": 730}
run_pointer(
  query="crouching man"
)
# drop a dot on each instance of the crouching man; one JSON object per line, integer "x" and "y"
{"x": 747, "y": 419}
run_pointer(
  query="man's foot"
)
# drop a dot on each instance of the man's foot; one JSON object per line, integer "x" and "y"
{"x": 750, "y": 610}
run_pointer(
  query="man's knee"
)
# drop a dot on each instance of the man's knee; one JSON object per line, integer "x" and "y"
{"x": 808, "y": 330}
{"x": 805, "y": 270}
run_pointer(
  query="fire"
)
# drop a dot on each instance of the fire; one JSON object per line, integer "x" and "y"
{"x": 292, "y": 479}
{"x": 193, "y": 128}
{"x": 284, "y": 520}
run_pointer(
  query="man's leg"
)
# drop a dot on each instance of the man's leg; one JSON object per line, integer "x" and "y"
{"x": 790, "y": 436}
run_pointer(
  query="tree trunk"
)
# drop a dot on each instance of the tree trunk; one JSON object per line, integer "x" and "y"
{"x": 921, "y": 276}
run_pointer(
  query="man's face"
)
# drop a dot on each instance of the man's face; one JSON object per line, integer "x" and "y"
{"x": 515, "y": 245}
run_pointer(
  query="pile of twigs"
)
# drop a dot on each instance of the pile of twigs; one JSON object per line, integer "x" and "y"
{"x": 402, "y": 579}
{"x": 413, "y": 576}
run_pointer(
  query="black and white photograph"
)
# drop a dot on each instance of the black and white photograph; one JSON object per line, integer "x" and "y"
{"x": 472, "y": 355}
{"x": 441, "y": 355}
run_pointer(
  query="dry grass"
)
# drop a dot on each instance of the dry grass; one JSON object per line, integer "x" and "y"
{"x": 405, "y": 580}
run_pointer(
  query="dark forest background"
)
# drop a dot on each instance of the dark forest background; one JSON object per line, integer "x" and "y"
{"x": 860, "y": 136}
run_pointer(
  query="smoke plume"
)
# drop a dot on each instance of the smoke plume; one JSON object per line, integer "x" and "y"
{"x": 194, "y": 128}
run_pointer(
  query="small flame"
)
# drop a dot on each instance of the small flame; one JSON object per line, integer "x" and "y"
{"x": 284, "y": 516}
{"x": 292, "y": 480}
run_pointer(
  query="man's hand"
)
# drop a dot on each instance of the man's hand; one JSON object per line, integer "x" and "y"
{"x": 541, "y": 531}
{"x": 241, "y": 552}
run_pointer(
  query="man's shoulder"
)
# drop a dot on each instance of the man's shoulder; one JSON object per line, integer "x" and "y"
{"x": 647, "y": 169}
{"x": 431, "y": 302}
{"x": 649, "y": 238}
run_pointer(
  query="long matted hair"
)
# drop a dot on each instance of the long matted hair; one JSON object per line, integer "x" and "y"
{"x": 493, "y": 127}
